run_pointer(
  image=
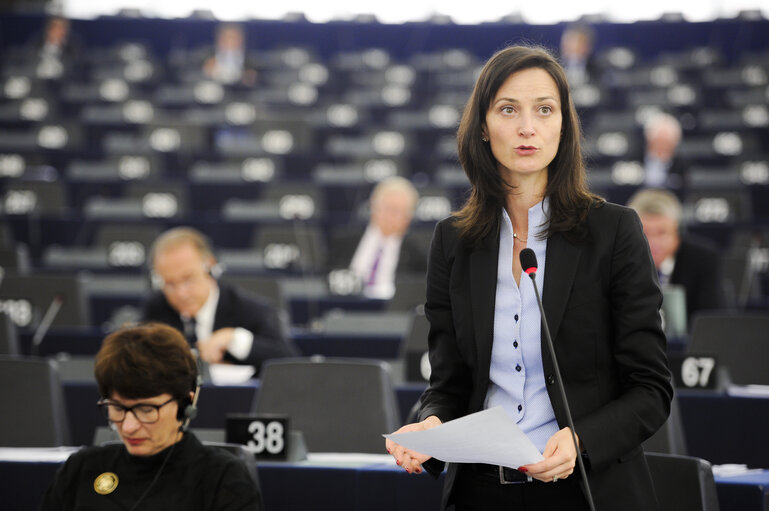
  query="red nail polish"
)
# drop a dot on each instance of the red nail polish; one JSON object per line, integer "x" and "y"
{"x": 397, "y": 462}
{"x": 523, "y": 469}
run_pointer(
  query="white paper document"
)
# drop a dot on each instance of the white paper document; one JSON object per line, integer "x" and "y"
{"x": 489, "y": 436}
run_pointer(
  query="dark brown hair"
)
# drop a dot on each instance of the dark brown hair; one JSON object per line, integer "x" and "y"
{"x": 145, "y": 361}
{"x": 567, "y": 188}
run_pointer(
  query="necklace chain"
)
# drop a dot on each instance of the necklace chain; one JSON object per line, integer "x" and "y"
{"x": 519, "y": 238}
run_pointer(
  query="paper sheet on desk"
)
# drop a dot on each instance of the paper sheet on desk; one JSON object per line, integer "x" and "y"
{"x": 490, "y": 436}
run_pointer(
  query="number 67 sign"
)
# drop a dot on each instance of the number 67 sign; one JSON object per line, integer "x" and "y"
{"x": 694, "y": 372}
{"x": 264, "y": 435}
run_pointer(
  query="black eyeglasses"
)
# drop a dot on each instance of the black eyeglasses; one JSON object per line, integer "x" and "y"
{"x": 145, "y": 413}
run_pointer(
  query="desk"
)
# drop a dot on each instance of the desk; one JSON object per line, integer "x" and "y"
{"x": 718, "y": 428}
{"x": 363, "y": 486}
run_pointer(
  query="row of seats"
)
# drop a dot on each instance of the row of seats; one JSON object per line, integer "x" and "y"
{"x": 718, "y": 197}
{"x": 303, "y": 389}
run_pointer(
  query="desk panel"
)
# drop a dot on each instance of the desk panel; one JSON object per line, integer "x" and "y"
{"x": 364, "y": 487}
{"x": 726, "y": 429}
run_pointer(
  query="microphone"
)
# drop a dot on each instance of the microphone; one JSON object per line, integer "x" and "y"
{"x": 45, "y": 323}
{"x": 529, "y": 266}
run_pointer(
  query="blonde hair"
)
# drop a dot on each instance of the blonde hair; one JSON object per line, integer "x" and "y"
{"x": 655, "y": 201}
{"x": 662, "y": 121}
{"x": 180, "y": 236}
{"x": 395, "y": 184}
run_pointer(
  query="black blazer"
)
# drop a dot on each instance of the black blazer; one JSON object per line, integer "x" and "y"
{"x": 236, "y": 308}
{"x": 698, "y": 269}
{"x": 602, "y": 301}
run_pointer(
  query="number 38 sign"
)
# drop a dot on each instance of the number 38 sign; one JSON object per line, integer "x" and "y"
{"x": 264, "y": 435}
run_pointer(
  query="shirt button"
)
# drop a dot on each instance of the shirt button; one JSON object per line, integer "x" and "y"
{"x": 516, "y": 317}
{"x": 520, "y": 407}
{"x": 515, "y": 344}
{"x": 550, "y": 379}
{"x": 518, "y": 368}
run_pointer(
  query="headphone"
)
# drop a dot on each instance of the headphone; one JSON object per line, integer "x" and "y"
{"x": 190, "y": 411}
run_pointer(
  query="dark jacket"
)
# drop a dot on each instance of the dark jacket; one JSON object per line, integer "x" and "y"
{"x": 602, "y": 301}
{"x": 698, "y": 269}
{"x": 236, "y": 308}
{"x": 195, "y": 477}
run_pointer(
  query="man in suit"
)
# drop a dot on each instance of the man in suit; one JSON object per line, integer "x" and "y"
{"x": 385, "y": 248}
{"x": 224, "y": 322}
{"x": 229, "y": 62}
{"x": 662, "y": 167}
{"x": 577, "y": 42}
{"x": 687, "y": 260}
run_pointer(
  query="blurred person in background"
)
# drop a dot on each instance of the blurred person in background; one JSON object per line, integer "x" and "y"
{"x": 385, "y": 248}
{"x": 577, "y": 42}
{"x": 683, "y": 259}
{"x": 229, "y": 62}
{"x": 149, "y": 383}
{"x": 225, "y": 323}
{"x": 663, "y": 168}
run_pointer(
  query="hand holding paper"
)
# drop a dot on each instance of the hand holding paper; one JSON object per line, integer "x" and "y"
{"x": 489, "y": 436}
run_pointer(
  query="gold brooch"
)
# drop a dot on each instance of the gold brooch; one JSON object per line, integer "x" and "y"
{"x": 105, "y": 483}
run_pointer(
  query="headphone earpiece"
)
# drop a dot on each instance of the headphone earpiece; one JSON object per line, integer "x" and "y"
{"x": 190, "y": 412}
{"x": 156, "y": 281}
{"x": 190, "y": 409}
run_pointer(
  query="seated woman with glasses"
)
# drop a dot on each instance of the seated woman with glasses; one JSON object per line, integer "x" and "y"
{"x": 148, "y": 379}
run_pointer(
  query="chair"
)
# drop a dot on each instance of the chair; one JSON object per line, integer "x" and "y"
{"x": 34, "y": 295}
{"x": 31, "y": 404}
{"x": 15, "y": 259}
{"x": 409, "y": 294}
{"x": 298, "y": 246}
{"x": 339, "y": 405}
{"x": 25, "y": 197}
{"x": 9, "y": 336}
{"x": 725, "y": 207}
{"x": 413, "y": 351}
{"x": 737, "y": 341}
{"x": 683, "y": 483}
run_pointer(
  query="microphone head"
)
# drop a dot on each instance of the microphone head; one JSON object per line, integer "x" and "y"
{"x": 529, "y": 261}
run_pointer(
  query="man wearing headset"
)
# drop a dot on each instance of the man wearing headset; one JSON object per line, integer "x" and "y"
{"x": 225, "y": 323}
{"x": 148, "y": 380}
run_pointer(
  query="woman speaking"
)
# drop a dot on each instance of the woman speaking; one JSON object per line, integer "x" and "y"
{"x": 519, "y": 144}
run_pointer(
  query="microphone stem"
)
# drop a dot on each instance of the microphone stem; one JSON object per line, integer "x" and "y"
{"x": 45, "y": 324}
{"x": 562, "y": 391}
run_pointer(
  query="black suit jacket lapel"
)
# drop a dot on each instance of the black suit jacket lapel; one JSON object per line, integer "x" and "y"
{"x": 561, "y": 264}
